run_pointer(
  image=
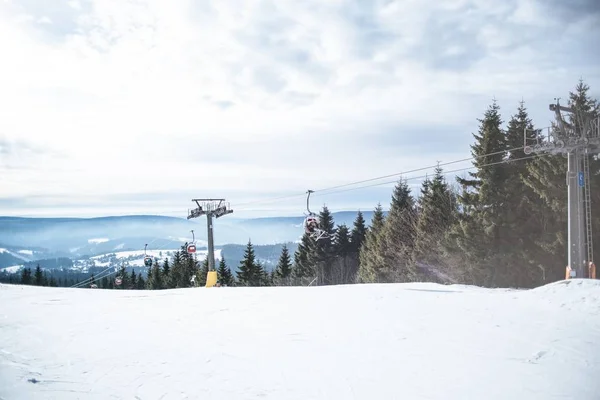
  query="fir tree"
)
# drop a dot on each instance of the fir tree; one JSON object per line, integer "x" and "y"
{"x": 438, "y": 211}
{"x": 224, "y": 273}
{"x": 177, "y": 271}
{"x": 398, "y": 237}
{"x": 304, "y": 270}
{"x": 322, "y": 250}
{"x": 38, "y": 277}
{"x": 283, "y": 271}
{"x": 480, "y": 235}
{"x": 141, "y": 283}
{"x": 371, "y": 252}
{"x": 359, "y": 232}
{"x": 155, "y": 279}
{"x": 250, "y": 272}
{"x": 343, "y": 270}
{"x": 166, "y": 268}
{"x": 133, "y": 279}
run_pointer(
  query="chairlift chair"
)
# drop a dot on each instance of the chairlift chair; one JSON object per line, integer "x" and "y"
{"x": 191, "y": 247}
{"x": 147, "y": 258}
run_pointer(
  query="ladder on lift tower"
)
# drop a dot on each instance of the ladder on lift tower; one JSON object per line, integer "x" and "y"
{"x": 588, "y": 208}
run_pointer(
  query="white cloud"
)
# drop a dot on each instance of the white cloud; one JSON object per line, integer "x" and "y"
{"x": 128, "y": 97}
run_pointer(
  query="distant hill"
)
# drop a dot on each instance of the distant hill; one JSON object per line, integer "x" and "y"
{"x": 30, "y": 239}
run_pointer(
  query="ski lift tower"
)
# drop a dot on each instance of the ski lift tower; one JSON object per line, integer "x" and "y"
{"x": 576, "y": 142}
{"x": 211, "y": 208}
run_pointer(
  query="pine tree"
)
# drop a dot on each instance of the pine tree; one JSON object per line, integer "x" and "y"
{"x": 133, "y": 279}
{"x": 52, "y": 282}
{"x": 224, "y": 274}
{"x": 524, "y": 214}
{"x": 250, "y": 272}
{"x": 481, "y": 232}
{"x": 283, "y": 271}
{"x": 304, "y": 270}
{"x": 322, "y": 251}
{"x": 342, "y": 248}
{"x": 155, "y": 279}
{"x": 165, "y": 269}
{"x": 104, "y": 283}
{"x": 437, "y": 214}
{"x": 371, "y": 252}
{"x": 359, "y": 232}
{"x": 141, "y": 283}
{"x": 357, "y": 238}
{"x": 92, "y": 280}
{"x": 177, "y": 271}
{"x": 38, "y": 277}
{"x": 398, "y": 237}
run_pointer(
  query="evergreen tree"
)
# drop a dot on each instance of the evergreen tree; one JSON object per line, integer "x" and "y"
{"x": 283, "y": 272}
{"x": 165, "y": 269}
{"x": 437, "y": 214}
{"x": 525, "y": 210}
{"x": 359, "y": 232}
{"x": 133, "y": 279}
{"x": 224, "y": 273}
{"x": 104, "y": 283}
{"x": 92, "y": 280}
{"x": 155, "y": 279}
{"x": 250, "y": 272}
{"x": 343, "y": 271}
{"x": 141, "y": 283}
{"x": 481, "y": 232}
{"x": 322, "y": 250}
{"x": 53, "y": 282}
{"x": 38, "y": 277}
{"x": 371, "y": 252}
{"x": 177, "y": 271}
{"x": 304, "y": 270}
{"x": 398, "y": 237}
{"x": 357, "y": 238}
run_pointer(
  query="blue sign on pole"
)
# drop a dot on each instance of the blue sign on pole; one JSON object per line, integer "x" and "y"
{"x": 581, "y": 179}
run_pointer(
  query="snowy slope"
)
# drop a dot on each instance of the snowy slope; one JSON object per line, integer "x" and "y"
{"x": 397, "y": 341}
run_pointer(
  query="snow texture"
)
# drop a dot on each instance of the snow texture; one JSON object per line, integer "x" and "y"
{"x": 394, "y": 341}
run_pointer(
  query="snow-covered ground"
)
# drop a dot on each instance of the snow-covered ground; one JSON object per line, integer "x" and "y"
{"x": 396, "y": 341}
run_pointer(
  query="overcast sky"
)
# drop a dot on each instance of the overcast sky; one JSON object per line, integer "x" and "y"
{"x": 119, "y": 107}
